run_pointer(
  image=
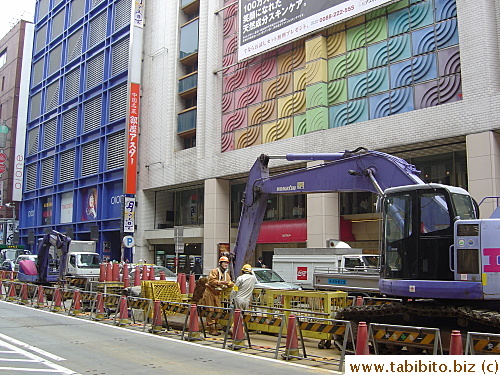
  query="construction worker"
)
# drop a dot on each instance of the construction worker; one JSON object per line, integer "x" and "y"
{"x": 218, "y": 279}
{"x": 242, "y": 290}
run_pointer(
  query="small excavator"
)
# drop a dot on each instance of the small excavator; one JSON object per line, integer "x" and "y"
{"x": 50, "y": 266}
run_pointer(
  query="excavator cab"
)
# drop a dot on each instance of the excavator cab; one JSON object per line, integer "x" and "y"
{"x": 418, "y": 252}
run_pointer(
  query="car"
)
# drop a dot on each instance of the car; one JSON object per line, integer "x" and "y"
{"x": 31, "y": 257}
{"x": 269, "y": 279}
{"x": 169, "y": 275}
{"x": 7, "y": 265}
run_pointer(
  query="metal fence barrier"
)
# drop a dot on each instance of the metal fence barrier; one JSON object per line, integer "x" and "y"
{"x": 482, "y": 343}
{"x": 332, "y": 327}
{"x": 408, "y": 336}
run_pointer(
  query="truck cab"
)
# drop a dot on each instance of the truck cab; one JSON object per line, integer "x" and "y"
{"x": 83, "y": 264}
{"x": 357, "y": 263}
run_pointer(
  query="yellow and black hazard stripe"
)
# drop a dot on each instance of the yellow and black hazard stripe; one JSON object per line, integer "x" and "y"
{"x": 138, "y": 304}
{"x": 335, "y": 329}
{"x": 405, "y": 337}
{"x": 215, "y": 314}
{"x": 256, "y": 319}
{"x": 111, "y": 300}
{"x": 179, "y": 309}
{"x": 87, "y": 296}
{"x": 486, "y": 346}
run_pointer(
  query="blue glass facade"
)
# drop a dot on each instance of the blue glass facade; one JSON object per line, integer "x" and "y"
{"x": 75, "y": 147}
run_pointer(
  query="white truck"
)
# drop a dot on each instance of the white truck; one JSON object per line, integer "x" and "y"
{"x": 82, "y": 260}
{"x": 345, "y": 269}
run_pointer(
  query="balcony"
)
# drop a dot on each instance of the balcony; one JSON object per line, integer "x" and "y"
{"x": 188, "y": 85}
{"x": 186, "y": 121}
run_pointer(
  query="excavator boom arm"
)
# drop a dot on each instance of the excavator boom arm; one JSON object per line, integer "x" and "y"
{"x": 359, "y": 170}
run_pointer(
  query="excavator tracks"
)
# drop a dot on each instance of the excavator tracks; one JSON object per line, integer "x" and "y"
{"x": 462, "y": 315}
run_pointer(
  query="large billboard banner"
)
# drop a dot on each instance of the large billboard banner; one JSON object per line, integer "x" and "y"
{"x": 267, "y": 24}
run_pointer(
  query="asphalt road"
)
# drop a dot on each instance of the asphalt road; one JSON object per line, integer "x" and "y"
{"x": 45, "y": 342}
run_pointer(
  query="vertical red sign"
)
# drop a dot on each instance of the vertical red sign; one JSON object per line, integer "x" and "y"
{"x": 301, "y": 273}
{"x": 132, "y": 140}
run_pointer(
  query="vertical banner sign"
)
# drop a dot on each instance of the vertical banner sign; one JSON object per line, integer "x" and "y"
{"x": 134, "y": 91}
{"x": 267, "y": 24}
{"x": 132, "y": 140}
{"x": 129, "y": 215}
{"x": 22, "y": 114}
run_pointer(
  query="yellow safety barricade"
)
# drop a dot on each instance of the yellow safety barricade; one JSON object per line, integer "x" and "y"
{"x": 482, "y": 343}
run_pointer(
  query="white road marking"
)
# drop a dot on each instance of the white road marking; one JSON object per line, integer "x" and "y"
{"x": 55, "y": 368}
{"x": 31, "y": 348}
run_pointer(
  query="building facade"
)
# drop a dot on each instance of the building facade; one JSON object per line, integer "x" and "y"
{"x": 416, "y": 78}
{"x": 12, "y": 50}
{"x": 78, "y": 122}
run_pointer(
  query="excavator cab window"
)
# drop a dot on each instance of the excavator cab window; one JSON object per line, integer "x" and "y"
{"x": 418, "y": 233}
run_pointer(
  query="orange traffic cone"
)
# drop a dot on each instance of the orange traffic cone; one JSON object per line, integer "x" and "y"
{"x": 292, "y": 341}
{"x": 145, "y": 274}
{"x": 157, "y": 324}
{"x": 192, "y": 283}
{"x": 182, "y": 282}
{"x": 57, "y": 301}
{"x": 194, "y": 326}
{"x": 40, "y": 297}
{"x": 359, "y": 301}
{"x": 12, "y": 293}
{"x": 77, "y": 303}
{"x": 162, "y": 276}
{"x": 116, "y": 272}
{"x": 126, "y": 278}
{"x": 24, "y": 295}
{"x": 152, "y": 273}
{"x": 123, "y": 312}
{"x": 137, "y": 276}
{"x": 102, "y": 272}
{"x": 109, "y": 272}
{"x": 238, "y": 334}
{"x": 456, "y": 343}
{"x": 99, "y": 311}
{"x": 362, "y": 339}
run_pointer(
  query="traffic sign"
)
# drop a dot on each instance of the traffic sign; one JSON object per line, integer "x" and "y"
{"x": 128, "y": 241}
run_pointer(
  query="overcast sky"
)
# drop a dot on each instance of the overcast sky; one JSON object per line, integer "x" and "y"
{"x": 12, "y": 11}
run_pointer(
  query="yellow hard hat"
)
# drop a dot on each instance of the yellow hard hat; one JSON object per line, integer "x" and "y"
{"x": 247, "y": 268}
{"x": 223, "y": 259}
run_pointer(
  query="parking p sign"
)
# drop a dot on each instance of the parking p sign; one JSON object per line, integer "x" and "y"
{"x": 128, "y": 241}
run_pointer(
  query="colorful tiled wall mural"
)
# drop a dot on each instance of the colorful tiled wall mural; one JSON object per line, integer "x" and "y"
{"x": 398, "y": 58}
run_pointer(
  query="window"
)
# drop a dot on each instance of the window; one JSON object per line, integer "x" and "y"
{"x": 189, "y": 39}
{"x": 190, "y": 142}
{"x": 3, "y": 57}
{"x": 279, "y": 207}
{"x": 189, "y": 207}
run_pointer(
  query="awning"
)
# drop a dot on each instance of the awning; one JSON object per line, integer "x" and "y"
{"x": 283, "y": 231}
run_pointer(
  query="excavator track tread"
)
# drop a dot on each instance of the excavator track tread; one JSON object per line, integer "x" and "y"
{"x": 488, "y": 316}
